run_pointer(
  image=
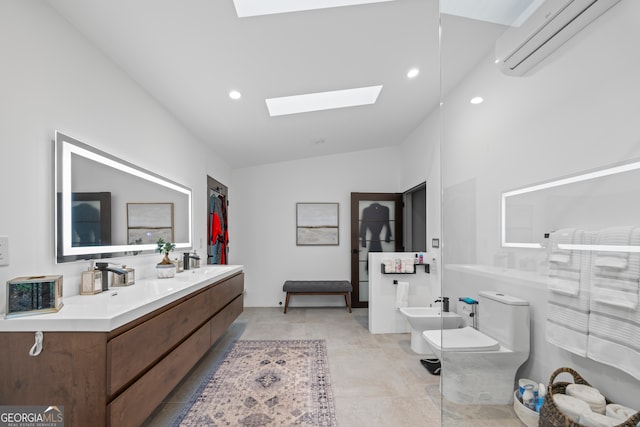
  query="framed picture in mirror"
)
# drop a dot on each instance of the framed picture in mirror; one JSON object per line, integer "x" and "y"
{"x": 148, "y": 222}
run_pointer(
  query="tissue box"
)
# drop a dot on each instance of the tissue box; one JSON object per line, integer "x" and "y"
{"x": 31, "y": 295}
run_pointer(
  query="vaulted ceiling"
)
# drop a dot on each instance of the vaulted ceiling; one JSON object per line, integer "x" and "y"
{"x": 190, "y": 54}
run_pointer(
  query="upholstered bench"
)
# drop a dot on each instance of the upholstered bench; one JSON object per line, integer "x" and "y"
{"x": 318, "y": 287}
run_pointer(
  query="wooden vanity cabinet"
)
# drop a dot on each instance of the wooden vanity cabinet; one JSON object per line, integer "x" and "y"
{"x": 118, "y": 378}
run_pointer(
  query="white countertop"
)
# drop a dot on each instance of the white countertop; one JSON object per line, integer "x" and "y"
{"x": 109, "y": 310}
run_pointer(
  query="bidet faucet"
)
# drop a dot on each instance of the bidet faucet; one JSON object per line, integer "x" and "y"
{"x": 445, "y": 303}
{"x": 104, "y": 267}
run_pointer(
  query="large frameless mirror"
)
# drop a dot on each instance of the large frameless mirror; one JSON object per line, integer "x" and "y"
{"x": 105, "y": 206}
{"x": 591, "y": 200}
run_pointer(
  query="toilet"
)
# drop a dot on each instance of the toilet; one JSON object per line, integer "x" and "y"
{"x": 426, "y": 318}
{"x": 479, "y": 365}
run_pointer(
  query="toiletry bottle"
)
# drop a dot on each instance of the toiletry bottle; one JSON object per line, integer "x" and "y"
{"x": 415, "y": 261}
{"x": 420, "y": 259}
{"x": 91, "y": 281}
{"x": 542, "y": 392}
{"x": 528, "y": 398}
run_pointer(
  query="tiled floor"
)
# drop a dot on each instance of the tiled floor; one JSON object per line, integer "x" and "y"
{"x": 377, "y": 380}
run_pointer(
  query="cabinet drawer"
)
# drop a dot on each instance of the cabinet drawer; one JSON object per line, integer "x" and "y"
{"x": 134, "y": 351}
{"x": 139, "y": 400}
{"x": 226, "y": 291}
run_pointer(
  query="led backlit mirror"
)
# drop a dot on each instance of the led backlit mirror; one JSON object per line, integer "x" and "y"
{"x": 105, "y": 206}
{"x": 592, "y": 200}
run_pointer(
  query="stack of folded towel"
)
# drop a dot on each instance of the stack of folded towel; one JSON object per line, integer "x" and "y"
{"x": 585, "y": 405}
{"x": 399, "y": 265}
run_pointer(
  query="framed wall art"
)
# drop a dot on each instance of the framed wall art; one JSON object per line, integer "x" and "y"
{"x": 317, "y": 224}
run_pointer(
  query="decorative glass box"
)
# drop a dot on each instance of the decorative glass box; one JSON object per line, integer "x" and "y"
{"x": 31, "y": 295}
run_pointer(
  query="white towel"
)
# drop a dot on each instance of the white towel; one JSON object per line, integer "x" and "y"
{"x": 564, "y": 265}
{"x": 408, "y": 265}
{"x": 593, "y": 419}
{"x": 614, "y": 328}
{"x": 617, "y": 286}
{"x": 571, "y": 406}
{"x": 567, "y": 324}
{"x": 402, "y": 294}
{"x": 389, "y": 265}
{"x": 591, "y": 395}
{"x": 613, "y": 236}
{"x": 619, "y": 412}
{"x": 559, "y": 255}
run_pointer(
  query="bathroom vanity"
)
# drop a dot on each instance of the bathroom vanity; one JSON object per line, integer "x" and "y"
{"x": 109, "y": 359}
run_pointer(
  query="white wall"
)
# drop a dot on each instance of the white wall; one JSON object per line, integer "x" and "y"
{"x": 51, "y": 79}
{"x": 262, "y": 219}
{"x": 578, "y": 112}
{"x": 420, "y": 157}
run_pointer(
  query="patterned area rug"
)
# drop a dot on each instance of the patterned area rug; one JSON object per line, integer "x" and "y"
{"x": 266, "y": 383}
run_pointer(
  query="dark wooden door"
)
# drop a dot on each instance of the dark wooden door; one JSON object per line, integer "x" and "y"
{"x": 376, "y": 226}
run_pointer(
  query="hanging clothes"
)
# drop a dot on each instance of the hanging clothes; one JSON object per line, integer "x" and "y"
{"x": 218, "y": 230}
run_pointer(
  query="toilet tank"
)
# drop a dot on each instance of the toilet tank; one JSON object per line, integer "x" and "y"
{"x": 504, "y": 318}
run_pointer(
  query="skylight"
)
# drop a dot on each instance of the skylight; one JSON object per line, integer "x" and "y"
{"x": 323, "y": 100}
{"x": 246, "y": 8}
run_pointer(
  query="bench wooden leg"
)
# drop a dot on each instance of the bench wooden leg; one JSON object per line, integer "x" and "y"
{"x": 286, "y": 303}
{"x": 347, "y": 300}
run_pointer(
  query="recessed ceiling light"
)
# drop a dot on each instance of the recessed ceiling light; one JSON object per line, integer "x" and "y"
{"x": 322, "y": 100}
{"x": 234, "y": 94}
{"x": 476, "y": 100}
{"x": 413, "y": 72}
{"x": 246, "y": 8}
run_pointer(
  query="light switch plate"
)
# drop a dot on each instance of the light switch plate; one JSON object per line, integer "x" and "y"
{"x": 4, "y": 250}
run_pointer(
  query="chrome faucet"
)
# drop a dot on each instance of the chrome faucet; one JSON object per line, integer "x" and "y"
{"x": 104, "y": 267}
{"x": 445, "y": 303}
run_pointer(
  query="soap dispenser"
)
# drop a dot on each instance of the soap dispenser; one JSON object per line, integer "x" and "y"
{"x": 91, "y": 282}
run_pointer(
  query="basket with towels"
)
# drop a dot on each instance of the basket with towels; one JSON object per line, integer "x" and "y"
{"x": 578, "y": 404}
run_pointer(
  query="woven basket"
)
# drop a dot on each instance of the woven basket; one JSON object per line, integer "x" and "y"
{"x": 551, "y": 416}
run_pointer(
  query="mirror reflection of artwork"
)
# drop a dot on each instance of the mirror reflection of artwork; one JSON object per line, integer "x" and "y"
{"x": 90, "y": 220}
{"x": 86, "y": 223}
{"x": 147, "y": 222}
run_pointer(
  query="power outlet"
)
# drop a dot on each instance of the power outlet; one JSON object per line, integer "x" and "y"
{"x": 4, "y": 250}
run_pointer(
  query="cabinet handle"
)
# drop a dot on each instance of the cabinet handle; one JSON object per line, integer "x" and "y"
{"x": 37, "y": 347}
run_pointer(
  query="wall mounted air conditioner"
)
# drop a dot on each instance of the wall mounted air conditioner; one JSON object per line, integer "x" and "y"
{"x": 552, "y": 24}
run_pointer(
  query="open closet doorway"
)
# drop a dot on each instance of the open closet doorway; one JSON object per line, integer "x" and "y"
{"x": 415, "y": 218}
{"x": 217, "y": 224}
